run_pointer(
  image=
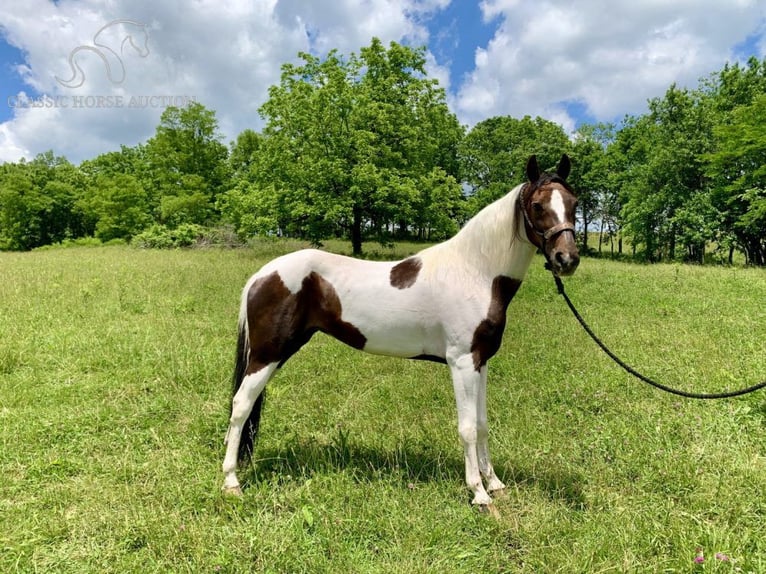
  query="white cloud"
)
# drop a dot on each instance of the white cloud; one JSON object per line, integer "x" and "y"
{"x": 223, "y": 54}
{"x": 609, "y": 56}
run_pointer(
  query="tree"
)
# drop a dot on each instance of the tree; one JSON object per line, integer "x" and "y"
{"x": 38, "y": 202}
{"x": 590, "y": 174}
{"x": 117, "y": 204}
{"x": 187, "y": 164}
{"x": 347, "y": 142}
{"x": 243, "y": 155}
{"x": 738, "y": 171}
{"x": 663, "y": 174}
{"x": 494, "y": 153}
{"x": 439, "y": 206}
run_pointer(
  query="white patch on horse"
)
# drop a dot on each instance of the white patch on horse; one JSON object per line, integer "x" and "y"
{"x": 557, "y": 205}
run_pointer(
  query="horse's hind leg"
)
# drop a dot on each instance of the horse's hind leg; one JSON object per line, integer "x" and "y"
{"x": 242, "y": 404}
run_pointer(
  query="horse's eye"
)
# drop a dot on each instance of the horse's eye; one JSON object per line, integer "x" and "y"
{"x": 537, "y": 207}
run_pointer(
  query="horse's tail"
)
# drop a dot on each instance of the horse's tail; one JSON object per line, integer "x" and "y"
{"x": 250, "y": 428}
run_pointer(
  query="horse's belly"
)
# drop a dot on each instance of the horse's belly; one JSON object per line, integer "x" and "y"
{"x": 398, "y": 332}
{"x": 404, "y": 342}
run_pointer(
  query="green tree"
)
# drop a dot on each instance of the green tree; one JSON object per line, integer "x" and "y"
{"x": 664, "y": 173}
{"x": 244, "y": 154}
{"x": 738, "y": 171}
{"x": 117, "y": 204}
{"x": 130, "y": 161}
{"x": 38, "y": 202}
{"x": 590, "y": 174}
{"x": 347, "y": 142}
{"x": 493, "y": 154}
{"x": 187, "y": 164}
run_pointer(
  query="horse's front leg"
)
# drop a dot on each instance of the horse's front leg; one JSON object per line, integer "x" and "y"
{"x": 482, "y": 428}
{"x": 466, "y": 381}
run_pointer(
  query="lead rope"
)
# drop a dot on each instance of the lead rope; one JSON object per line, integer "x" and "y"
{"x": 644, "y": 378}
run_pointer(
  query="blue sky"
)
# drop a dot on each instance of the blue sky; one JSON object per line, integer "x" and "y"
{"x": 11, "y": 82}
{"x": 594, "y": 60}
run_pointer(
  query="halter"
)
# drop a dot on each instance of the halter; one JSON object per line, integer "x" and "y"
{"x": 549, "y": 233}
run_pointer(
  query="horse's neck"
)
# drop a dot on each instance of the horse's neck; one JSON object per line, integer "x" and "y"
{"x": 494, "y": 240}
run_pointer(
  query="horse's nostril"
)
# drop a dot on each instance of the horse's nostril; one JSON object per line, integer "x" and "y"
{"x": 567, "y": 260}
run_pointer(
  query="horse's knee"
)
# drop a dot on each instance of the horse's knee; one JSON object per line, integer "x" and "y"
{"x": 468, "y": 433}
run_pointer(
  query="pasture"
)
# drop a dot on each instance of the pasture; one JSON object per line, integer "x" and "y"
{"x": 115, "y": 369}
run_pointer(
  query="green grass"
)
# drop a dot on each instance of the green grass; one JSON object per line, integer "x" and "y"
{"x": 114, "y": 389}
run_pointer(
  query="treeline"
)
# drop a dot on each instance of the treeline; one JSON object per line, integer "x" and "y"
{"x": 364, "y": 147}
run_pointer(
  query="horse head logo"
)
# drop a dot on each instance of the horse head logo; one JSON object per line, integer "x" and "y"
{"x": 128, "y": 31}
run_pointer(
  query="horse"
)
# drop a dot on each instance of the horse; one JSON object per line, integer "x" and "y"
{"x": 446, "y": 304}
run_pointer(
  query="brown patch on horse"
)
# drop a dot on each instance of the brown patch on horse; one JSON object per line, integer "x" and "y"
{"x": 405, "y": 273}
{"x": 281, "y": 322}
{"x": 323, "y": 308}
{"x": 489, "y": 333}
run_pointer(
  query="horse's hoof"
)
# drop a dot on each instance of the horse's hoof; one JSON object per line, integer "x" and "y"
{"x": 500, "y": 493}
{"x": 232, "y": 491}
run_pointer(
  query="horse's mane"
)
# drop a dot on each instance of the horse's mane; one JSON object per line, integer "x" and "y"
{"x": 488, "y": 239}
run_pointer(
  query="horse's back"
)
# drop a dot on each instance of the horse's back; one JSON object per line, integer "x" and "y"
{"x": 340, "y": 270}
{"x": 395, "y": 309}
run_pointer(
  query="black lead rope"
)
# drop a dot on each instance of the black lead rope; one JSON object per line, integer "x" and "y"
{"x": 644, "y": 378}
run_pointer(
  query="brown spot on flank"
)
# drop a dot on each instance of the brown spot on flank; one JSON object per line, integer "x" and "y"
{"x": 405, "y": 273}
{"x": 323, "y": 311}
{"x": 281, "y": 322}
{"x": 489, "y": 333}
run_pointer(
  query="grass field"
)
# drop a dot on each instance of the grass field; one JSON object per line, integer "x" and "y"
{"x": 114, "y": 387}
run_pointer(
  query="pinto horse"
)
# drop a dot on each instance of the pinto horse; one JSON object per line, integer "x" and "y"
{"x": 446, "y": 304}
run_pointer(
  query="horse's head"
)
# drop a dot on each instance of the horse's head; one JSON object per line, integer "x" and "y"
{"x": 548, "y": 205}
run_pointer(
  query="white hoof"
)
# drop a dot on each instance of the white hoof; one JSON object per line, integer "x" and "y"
{"x": 481, "y": 499}
{"x": 232, "y": 490}
{"x": 495, "y": 485}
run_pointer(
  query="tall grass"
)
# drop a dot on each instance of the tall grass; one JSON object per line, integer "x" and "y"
{"x": 114, "y": 387}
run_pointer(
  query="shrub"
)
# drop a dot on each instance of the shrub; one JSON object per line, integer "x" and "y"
{"x": 161, "y": 237}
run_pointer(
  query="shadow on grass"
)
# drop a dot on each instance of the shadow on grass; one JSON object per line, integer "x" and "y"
{"x": 407, "y": 463}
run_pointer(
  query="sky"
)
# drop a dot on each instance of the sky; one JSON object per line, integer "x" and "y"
{"x": 83, "y": 77}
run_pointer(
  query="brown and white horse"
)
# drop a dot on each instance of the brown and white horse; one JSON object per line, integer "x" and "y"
{"x": 445, "y": 304}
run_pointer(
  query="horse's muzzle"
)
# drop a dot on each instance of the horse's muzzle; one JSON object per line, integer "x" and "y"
{"x": 564, "y": 263}
{"x": 560, "y": 250}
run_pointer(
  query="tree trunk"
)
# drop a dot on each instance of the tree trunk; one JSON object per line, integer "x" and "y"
{"x": 672, "y": 248}
{"x": 356, "y": 232}
{"x": 600, "y": 235}
{"x": 584, "y": 232}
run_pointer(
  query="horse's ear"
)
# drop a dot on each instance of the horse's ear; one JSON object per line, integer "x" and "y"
{"x": 564, "y": 167}
{"x": 533, "y": 171}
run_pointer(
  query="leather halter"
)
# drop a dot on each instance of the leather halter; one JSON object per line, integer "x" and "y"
{"x": 547, "y": 234}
